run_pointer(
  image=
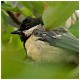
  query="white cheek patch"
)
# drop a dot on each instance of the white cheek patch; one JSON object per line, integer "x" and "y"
{"x": 29, "y": 31}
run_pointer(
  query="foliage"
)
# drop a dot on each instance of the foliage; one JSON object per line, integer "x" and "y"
{"x": 54, "y": 14}
{"x": 58, "y": 12}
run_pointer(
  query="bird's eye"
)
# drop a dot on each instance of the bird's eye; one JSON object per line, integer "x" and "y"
{"x": 37, "y": 33}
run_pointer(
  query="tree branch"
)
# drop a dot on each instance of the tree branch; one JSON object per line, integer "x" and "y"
{"x": 12, "y": 15}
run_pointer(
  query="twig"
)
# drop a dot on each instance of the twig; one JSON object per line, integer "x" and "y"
{"x": 13, "y": 17}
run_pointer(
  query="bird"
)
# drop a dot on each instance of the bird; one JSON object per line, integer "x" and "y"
{"x": 57, "y": 45}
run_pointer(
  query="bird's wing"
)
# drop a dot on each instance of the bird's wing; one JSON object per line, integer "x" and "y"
{"x": 60, "y": 38}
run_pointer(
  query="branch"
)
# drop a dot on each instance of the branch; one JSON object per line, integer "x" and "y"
{"x": 13, "y": 17}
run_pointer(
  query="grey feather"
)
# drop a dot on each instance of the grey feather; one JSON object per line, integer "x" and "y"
{"x": 60, "y": 38}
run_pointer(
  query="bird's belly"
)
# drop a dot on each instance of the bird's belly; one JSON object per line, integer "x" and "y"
{"x": 41, "y": 51}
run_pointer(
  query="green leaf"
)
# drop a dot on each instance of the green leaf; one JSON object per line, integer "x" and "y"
{"x": 26, "y": 4}
{"x": 8, "y": 7}
{"x": 5, "y": 34}
{"x": 57, "y": 13}
{"x": 36, "y": 7}
{"x": 4, "y": 18}
{"x": 75, "y": 29}
{"x": 74, "y": 73}
{"x": 13, "y": 66}
{"x": 26, "y": 12}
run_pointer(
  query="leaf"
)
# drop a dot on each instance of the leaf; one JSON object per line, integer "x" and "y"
{"x": 36, "y": 7}
{"x": 75, "y": 29}
{"x": 56, "y": 13}
{"x": 26, "y": 12}
{"x": 8, "y": 7}
{"x": 26, "y": 4}
{"x": 74, "y": 73}
{"x": 13, "y": 66}
{"x": 5, "y": 34}
{"x": 4, "y": 17}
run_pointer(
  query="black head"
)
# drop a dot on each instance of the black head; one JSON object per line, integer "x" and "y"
{"x": 29, "y": 22}
{"x": 26, "y": 24}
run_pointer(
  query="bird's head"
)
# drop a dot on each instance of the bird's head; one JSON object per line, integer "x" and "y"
{"x": 27, "y": 27}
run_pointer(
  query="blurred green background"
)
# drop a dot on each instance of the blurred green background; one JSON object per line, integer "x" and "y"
{"x": 54, "y": 14}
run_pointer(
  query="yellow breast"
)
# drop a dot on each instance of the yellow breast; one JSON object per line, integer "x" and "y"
{"x": 42, "y": 51}
{"x": 33, "y": 50}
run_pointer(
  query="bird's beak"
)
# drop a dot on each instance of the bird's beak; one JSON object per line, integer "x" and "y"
{"x": 16, "y": 32}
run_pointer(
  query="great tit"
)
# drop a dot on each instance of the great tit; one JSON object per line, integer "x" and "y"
{"x": 57, "y": 45}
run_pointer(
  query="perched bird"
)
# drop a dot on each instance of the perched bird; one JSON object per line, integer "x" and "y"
{"x": 57, "y": 45}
